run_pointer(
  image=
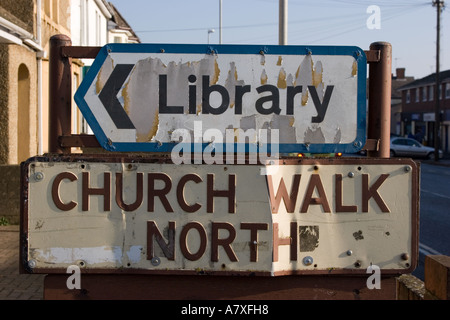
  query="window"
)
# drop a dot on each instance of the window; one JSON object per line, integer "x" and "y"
{"x": 399, "y": 141}
{"x": 51, "y": 9}
{"x": 97, "y": 28}
{"x": 412, "y": 143}
{"x": 83, "y": 23}
{"x": 447, "y": 90}
{"x": 47, "y": 6}
{"x": 431, "y": 93}
{"x": 424, "y": 93}
{"x": 417, "y": 94}
{"x": 408, "y": 96}
{"x": 55, "y": 11}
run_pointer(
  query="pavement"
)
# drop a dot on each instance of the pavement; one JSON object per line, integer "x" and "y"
{"x": 16, "y": 286}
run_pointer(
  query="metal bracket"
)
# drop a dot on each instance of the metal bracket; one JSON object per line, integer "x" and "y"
{"x": 373, "y": 55}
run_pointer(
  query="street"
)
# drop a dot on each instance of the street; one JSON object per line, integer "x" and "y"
{"x": 434, "y": 213}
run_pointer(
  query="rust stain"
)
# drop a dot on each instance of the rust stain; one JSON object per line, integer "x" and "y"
{"x": 317, "y": 74}
{"x": 305, "y": 98}
{"x": 100, "y": 81}
{"x": 154, "y": 128}
{"x": 280, "y": 61}
{"x": 354, "y": 68}
{"x": 99, "y": 85}
{"x": 126, "y": 98}
{"x": 215, "y": 78}
{"x": 236, "y": 79}
{"x": 308, "y": 74}
{"x": 291, "y": 121}
{"x": 263, "y": 77}
{"x": 263, "y": 59}
{"x": 281, "y": 79}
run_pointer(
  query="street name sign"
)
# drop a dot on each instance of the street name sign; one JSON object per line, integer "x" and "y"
{"x": 151, "y": 97}
{"x": 138, "y": 215}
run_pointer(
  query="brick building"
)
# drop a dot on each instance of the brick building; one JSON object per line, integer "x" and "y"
{"x": 399, "y": 79}
{"x": 418, "y": 109}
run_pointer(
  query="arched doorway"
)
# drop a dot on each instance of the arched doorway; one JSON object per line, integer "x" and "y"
{"x": 23, "y": 114}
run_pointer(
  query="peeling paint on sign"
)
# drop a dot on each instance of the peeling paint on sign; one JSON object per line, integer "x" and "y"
{"x": 354, "y": 69}
{"x": 143, "y": 108}
{"x": 146, "y": 216}
{"x": 166, "y": 91}
{"x": 314, "y": 135}
{"x": 309, "y": 238}
{"x": 280, "y": 61}
{"x": 99, "y": 255}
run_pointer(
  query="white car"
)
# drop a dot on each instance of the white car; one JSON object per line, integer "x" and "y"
{"x": 407, "y": 147}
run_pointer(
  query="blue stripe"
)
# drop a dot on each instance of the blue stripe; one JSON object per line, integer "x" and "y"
{"x": 233, "y": 49}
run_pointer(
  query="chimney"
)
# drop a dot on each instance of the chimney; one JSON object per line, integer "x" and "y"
{"x": 400, "y": 73}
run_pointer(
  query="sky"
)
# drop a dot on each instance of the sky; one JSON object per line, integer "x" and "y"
{"x": 409, "y": 26}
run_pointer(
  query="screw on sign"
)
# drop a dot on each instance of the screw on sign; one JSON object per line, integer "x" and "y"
{"x": 223, "y": 218}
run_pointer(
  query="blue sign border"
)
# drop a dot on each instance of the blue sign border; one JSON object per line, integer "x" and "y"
{"x": 283, "y": 148}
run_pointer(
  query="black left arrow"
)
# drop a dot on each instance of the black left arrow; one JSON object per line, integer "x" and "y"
{"x": 108, "y": 96}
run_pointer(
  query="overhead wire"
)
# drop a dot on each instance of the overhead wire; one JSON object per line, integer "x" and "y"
{"x": 338, "y": 25}
{"x": 328, "y": 26}
{"x": 334, "y": 30}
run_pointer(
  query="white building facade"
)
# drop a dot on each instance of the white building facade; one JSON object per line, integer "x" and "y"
{"x": 94, "y": 23}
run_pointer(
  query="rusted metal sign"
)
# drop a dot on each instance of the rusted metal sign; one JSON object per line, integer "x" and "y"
{"x": 148, "y": 97}
{"x": 325, "y": 216}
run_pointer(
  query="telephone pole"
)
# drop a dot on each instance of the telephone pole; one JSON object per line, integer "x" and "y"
{"x": 439, "y": 4}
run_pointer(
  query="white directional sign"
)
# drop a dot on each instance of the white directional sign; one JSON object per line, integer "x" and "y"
{"x": 150, "y": 97}
{"x": 328, "y": 216}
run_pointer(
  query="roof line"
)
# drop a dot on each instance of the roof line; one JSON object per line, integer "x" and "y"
{"x": 430, "y": 79}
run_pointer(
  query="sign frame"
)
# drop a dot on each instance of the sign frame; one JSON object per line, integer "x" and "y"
{"x": 108, "y": 144}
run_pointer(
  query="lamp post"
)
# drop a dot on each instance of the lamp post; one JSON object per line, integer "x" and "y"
{"x": 282, "y": 22}
{"x": 220, "y": 21}
{"x": 209, "y": 32}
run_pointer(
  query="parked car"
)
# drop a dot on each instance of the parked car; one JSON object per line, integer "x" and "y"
{"x": 407, "y": 147}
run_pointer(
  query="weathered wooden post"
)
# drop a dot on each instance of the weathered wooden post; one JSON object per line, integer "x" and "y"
{"x": 379, "y": 117}
{"x": 60, "y": 100}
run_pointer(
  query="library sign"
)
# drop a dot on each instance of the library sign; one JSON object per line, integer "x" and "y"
{"x": 137, "y": 98}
